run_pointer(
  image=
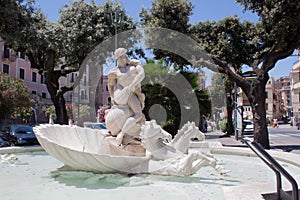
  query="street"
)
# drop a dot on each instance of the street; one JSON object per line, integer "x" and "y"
{"x": 285, "y": 137}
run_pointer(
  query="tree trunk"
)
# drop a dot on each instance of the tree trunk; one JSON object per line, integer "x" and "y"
{"x": 57, "y": 98}
{"x": 257, "y": 101}
{"x": 60, "y": 109}
{"x": 229, "y": 128}
{"x": 54, "y": 89}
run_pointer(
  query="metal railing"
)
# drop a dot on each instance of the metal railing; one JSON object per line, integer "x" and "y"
{"x": 277, "y": 168}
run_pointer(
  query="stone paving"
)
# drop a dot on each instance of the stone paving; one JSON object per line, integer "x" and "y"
{"x": 232, "y": 142}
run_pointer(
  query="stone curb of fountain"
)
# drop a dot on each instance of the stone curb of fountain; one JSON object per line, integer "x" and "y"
{"x": 231, "y": 192}
{"x": 20, "y": 149}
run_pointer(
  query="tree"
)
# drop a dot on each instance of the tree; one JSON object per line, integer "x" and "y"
{"x": 233, "y": 44}
{"x": 260, "y": 46}
{"x": 14, "y": 99}
{"x": 170, "y": 14}
{"x": 229, "y": 86}
{"x": 159, "y": 88}
{"x": 80, "y": 28}
{"x": 217, "y": 93}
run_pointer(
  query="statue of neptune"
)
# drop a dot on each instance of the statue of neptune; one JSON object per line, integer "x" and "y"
{"x": 125, "y": 118}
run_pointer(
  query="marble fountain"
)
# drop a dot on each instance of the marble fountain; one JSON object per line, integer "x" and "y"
{"x": 136, "y": 159}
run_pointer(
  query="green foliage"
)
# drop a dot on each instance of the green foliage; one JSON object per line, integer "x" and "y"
{"x": 21, "y": 23}
{"x": 232, "y": 44}
{"x": 223, "y": 125}
{"x": 156, "y": 87}
{"x": 205, "y": 103}
{"x": 229, "y": 39}
{"x": 50, "y": 111}
{"x": 217, "y": 91}
{"x": 170, "y": 14}
{"x": 14, "y": 99}
{"x": 280, "y": 21}
{"x": 86, "y": 25}
{"x": 84, "y": 114}
{"x": 80, "y": 28}
{"x": 153, "y": 86}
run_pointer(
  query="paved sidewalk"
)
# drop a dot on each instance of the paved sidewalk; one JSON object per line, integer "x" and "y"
{"x": 225, "y": 141}
{"x": 232, "y": 142}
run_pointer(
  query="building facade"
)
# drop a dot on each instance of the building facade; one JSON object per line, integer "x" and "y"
{"x": 295, "y": 91}
{"x": 271, "y": 98}
{"x": 283, "y": 92}
{"x": 17, "y": 65}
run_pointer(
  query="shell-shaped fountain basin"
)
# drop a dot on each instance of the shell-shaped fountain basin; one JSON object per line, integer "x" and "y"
{"x": 91, "y": 150}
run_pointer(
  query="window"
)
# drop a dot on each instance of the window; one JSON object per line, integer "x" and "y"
{"x": 33, "y": 92}
{"x": 84, "y": 80}
{"x": 22, "y": 55}
{"x": 22, "y": 74}
{"x": 72, "y": 78}
{"x": 82, "y": 94}
{"x": 5, "y": 69}
{"x": 44, "y": 95}
{"x": 33, "y": 78}
{"x": 43, "y": 79}
{"x": 6, "y": 52}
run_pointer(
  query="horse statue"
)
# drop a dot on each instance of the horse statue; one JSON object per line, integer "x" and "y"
{"x": 171, "y": 157}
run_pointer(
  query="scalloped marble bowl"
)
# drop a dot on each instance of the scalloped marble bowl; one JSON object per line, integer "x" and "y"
{"x": 89, "y": 150}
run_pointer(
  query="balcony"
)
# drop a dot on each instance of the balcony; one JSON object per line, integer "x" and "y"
{"x": 9, "y": 58}
{"x": 285, "y": 88}
{"x": 296, "y": 86}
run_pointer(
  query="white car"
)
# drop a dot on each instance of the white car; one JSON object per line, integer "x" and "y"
{"x": 248, "y": 127}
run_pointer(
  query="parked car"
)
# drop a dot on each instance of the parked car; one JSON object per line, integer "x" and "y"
{"x": 94, "y": 125}
{"x": 3, "y": 143}
{"x": 20, "y": 135}
{"x": 248, "y": 130}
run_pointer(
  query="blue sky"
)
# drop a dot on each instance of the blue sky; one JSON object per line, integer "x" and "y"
{"x": 203, "y": 10}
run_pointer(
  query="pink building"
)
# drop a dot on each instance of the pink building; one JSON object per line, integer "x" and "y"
{"x": 103, "y": 93}
{"x": 18, "y": 66}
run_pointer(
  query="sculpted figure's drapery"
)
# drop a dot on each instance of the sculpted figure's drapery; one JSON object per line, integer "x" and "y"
{"x": 125, "y": 118}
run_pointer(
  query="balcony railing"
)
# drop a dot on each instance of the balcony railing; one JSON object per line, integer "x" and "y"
{"x": 10, "y": 57}
{"x": 296, "y": 86}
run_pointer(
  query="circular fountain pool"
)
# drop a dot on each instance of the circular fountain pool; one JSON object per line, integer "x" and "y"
{"x": 37, "y": 175}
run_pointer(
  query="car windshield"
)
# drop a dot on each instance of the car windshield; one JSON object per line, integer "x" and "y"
{"x": 248, "y": 123}
{"x": 99, "y": 126}
{"x": 95, "y": 125}
{"x": 22, "y": 129}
